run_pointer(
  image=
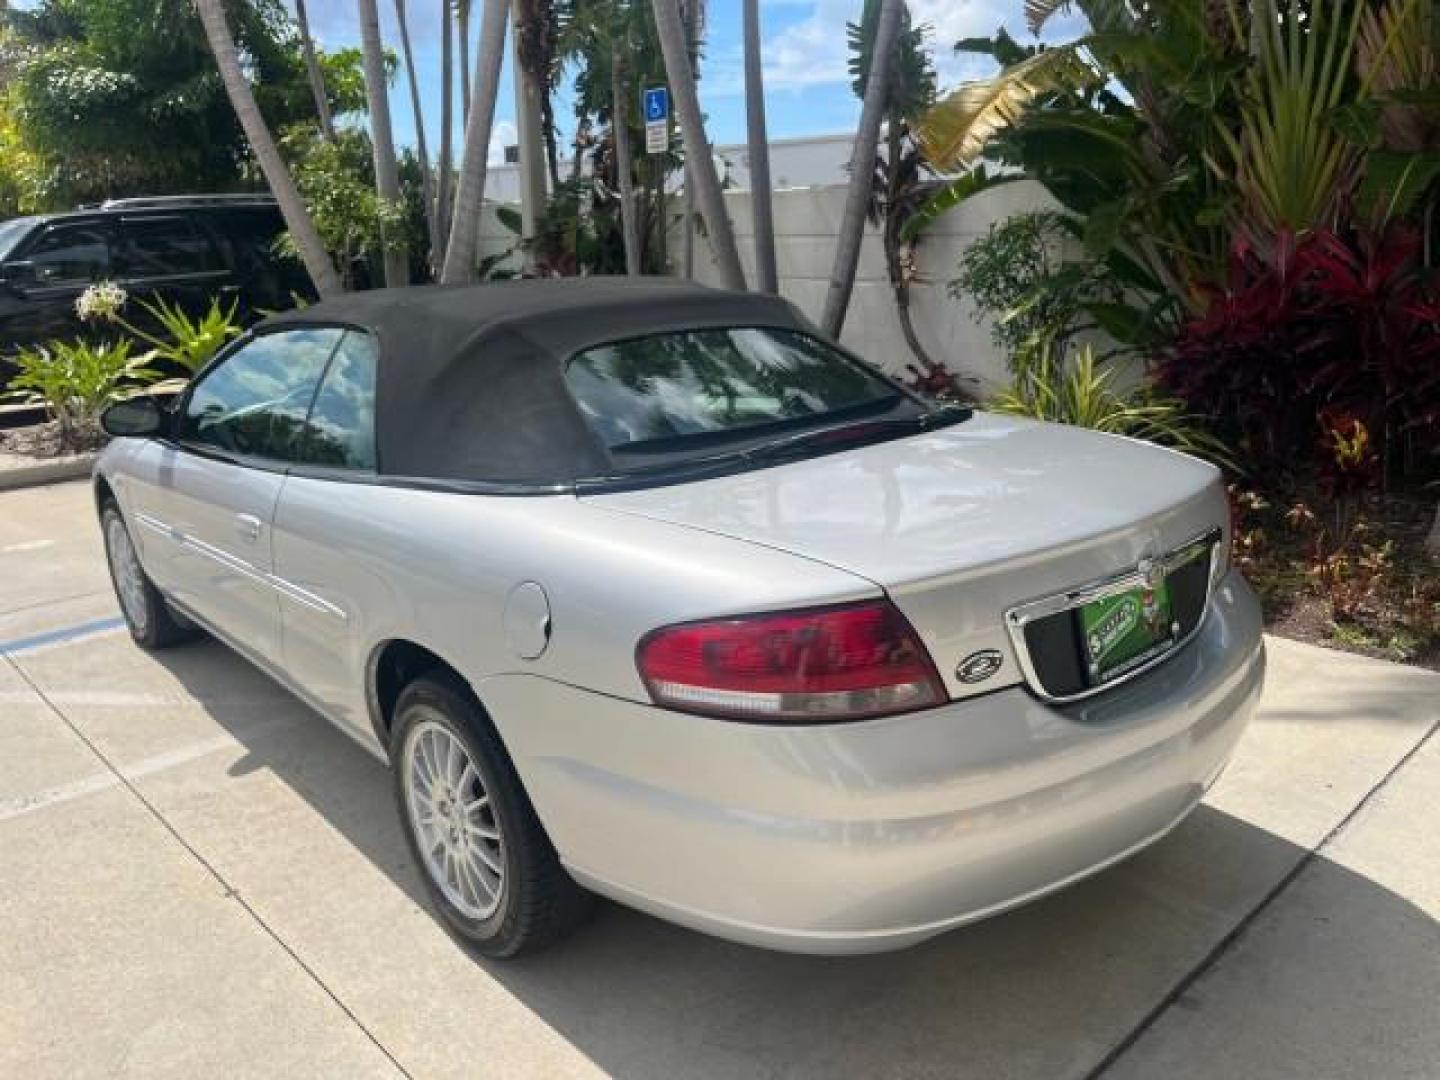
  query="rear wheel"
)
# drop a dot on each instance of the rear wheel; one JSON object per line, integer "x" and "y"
{"x": 482, "y": 852}
{"x": 152, "y": 622}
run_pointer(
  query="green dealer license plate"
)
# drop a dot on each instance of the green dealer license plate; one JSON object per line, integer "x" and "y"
{"x": 1124, "y": 630}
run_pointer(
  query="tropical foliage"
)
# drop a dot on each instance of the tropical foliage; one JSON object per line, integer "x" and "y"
{"x": 1083, "y": 392}
{"x": 122, "y": 96}
{"x": 75, "y": 381}
{"x": 1259, "y": 182}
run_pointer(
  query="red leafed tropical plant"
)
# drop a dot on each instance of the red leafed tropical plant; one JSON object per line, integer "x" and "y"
{"x": 1318, "y": 326}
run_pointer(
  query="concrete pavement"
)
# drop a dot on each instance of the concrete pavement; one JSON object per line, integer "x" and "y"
{"x": 201, "y": 877}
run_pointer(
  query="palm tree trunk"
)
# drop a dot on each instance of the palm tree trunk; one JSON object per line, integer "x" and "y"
{"x": 462, "y": 24}
{"x": 312, "y": 69}
{"x": 262, "y": 144}
{"x": 764, "y": 222}
{"x": 681, "y": 77}
{"x": 687, "y": 204}
{"x": 427, "y": 187}
{"x": 444, "y": 201}
{"x": 895, "y": 246}
{"x": 382, "y": 141}
{"x": 464, "y": 233}
{"x": 531, "y": 88}
{"x": 862, "y": 169}
{"x": 620, "y": 130}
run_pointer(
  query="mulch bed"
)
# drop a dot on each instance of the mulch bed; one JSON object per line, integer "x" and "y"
{"x": 1398, "y": 620}
{"x": 42, "y": 441}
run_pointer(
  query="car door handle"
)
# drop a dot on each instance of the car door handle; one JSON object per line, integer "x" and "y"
{"x": 248, "y": 526}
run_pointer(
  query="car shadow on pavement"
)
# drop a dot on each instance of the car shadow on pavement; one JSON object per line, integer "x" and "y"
{"x": 1339, "y": 976}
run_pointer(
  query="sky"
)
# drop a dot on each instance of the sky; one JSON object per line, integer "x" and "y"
{"x": 803, "y": 48}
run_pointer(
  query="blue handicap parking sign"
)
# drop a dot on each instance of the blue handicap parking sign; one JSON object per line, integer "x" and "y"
{"x": 657, "y": 104}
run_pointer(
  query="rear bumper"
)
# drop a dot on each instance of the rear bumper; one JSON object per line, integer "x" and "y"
{"x": 875, "y": 835}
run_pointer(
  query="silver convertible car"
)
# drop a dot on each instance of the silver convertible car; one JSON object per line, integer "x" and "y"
{"x": 650, "y": 591}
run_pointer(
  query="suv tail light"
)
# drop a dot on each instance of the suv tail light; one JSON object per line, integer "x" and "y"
{"x": 824, "y": 664}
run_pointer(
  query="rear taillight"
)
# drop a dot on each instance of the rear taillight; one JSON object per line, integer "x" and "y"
{"x": 824, "y": 664}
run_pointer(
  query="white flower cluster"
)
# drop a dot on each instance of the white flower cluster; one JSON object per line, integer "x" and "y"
{"x": 102, "y": 301}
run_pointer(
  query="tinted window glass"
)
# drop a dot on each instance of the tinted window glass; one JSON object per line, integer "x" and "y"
{"x": 341, "y": 430}
{"x": 256, "y": 401}
{"x": 71, "y": 253}
{"x": 166, "y": 247}
{"x": 12, "y": 232}
{"x": 708, "y": 381}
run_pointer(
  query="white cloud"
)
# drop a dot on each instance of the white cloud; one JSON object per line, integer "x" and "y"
{"x": 815, "y": 51}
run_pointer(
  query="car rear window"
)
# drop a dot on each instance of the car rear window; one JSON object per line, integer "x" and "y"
{"x": 644, "y": 393}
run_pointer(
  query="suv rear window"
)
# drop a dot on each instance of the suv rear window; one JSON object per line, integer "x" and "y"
{"x": 166, "y": 247}
{"x": 647, "y": 393}
{"x": 12, "y": 231}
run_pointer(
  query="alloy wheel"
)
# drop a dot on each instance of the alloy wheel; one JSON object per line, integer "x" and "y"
{"x": 452, "y": 818}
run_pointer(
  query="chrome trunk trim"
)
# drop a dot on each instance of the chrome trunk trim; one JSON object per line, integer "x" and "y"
{"x": 1206, "y": 545}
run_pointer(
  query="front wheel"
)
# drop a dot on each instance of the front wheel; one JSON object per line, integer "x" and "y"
{"x": 151, "y": 621}
{"x": 483, "y": 854}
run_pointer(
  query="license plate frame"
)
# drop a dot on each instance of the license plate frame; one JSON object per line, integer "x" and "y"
{"x": 1126, "y": 629}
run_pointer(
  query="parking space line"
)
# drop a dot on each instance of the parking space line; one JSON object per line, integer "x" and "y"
{"x": 156, "y": 763}
{"x": 220, "y": 879}
{"x": 62, "y": 635}
{"x": 26, "y": 545}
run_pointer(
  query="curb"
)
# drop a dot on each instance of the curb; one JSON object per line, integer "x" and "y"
{"x": 76, "y": 467}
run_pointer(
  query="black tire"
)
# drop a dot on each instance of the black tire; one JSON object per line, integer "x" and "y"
{"x": 155, "y": 625}
{"x": 539, "y": 902}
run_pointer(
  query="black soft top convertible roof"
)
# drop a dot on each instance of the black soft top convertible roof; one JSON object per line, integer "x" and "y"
{"x": 471, "y": 383}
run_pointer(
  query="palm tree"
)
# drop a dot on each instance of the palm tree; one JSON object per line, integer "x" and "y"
{"x": 764, "y": 224}
{"x": 681, "y": 76}
{"x": 862, "y": 170}
{"x": 462, "y": 27}
{"x": 537, "y": 39}
{"x": 427, "y": 188}
{"x": 460, "y": 254}
{"x": 903, "y": 183}
{"x": 382, "y": 142}
{"x": 694, "y": 16}
{"x": 624, "y": 165}
{"x": 530, "y": 64}
{"x": 262, "y": 143}
{"x": 312, "y": 69}
{"x": 444, "y": 202}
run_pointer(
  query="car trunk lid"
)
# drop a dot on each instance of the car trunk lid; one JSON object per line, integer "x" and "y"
{"x": 962, "y": 524}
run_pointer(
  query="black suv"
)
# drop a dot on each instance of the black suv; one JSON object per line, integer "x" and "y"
{"x": 183, "y": 248}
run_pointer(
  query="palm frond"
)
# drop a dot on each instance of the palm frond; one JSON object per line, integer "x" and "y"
{"x": 1038, "y": 12}
{"x": 955, "y": 132}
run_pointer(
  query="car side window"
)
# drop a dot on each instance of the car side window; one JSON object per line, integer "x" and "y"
{"x": 340, "y": 432}
{"x": 166, "y": 247}
{"x": 71, "y": 254}
{"x": 255, "y": 402}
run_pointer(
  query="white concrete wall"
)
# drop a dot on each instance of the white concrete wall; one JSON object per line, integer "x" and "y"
{"x": 806, "y": 223}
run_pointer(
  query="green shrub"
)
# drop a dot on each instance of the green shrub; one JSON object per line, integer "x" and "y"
{"x": 1080, "y": 393}
{"x": 76, "y": 381}
{"x": 1017, "y": 277}
{"x": 190, "y": 343}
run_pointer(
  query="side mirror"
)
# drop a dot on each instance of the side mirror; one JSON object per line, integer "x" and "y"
{"x": 137, "y": 416}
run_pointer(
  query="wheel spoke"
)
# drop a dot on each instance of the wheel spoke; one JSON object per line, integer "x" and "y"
{"x": 485, "y": 857}
{"x": 468, "y": 776}
{"x": 476, "y": 881}
{"x": 483, "y": 832}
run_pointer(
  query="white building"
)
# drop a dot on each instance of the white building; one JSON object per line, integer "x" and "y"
{"x": 811, "y": 161}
